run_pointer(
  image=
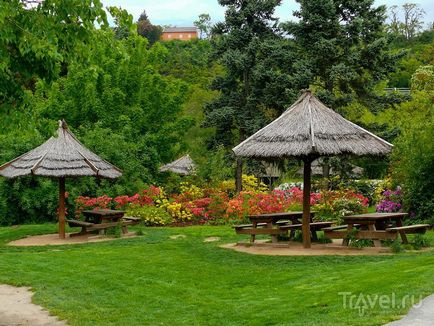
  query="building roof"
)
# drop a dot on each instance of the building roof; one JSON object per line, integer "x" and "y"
{"x": 308, "y": 127}
{"x": 180, "y": 30}
{"x": 183, "y": 166}
{"x": 61, "y": 156}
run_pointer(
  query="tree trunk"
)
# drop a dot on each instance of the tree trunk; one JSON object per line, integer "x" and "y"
{"x": 61, "y": 208}
{"x": 239, "y": 175}
{"x": 306, "y": 202}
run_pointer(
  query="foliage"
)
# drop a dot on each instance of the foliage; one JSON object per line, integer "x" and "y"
{"x": 396, "y": 246}
{"x": 423, "y": 79}
{"x": 419, "y": 241}
{"x": 204, "y": 25}
{"x": 412, "y": 23}
{"x": 146, "y": 29}
{"x": 390, "y": 202}
{"x": 413, "y": 157}
{"x": 42, "y": 42}
{"x": 334, "y": 205}
{"x": 150, "y": 215}
{"x": 117, "y": 104}
{"x": 343, "y": 47}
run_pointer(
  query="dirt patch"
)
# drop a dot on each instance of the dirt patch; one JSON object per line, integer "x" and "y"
{"x": 16, "y": 308}
{"x": 211, "y": 239}
{"x": 296, "y": 249}
{"x": 178, "y": 236}
{"x": 53, "y": 239}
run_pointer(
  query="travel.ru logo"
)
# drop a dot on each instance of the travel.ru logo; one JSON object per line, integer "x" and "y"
{"x": 363, "y": 302}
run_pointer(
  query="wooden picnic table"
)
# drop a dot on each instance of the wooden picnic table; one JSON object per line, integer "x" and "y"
{"x": 99, "y": 216}
{"x": 265, "y": 224}
{"x": 374, "y": 226}
{"x": 102, "y": 219}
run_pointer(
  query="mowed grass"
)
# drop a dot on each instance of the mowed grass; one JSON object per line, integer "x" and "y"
{"x": 155, "y": 280}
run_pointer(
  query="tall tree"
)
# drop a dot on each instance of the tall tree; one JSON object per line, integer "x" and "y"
{"x": 40, "y": 42}
{"x": 343, "y": 44}
{"x": 244, "y": 44}
{"x": 203, "y": 24}
{"x": 146, "y": 29}
{"x": 412, "y": 23}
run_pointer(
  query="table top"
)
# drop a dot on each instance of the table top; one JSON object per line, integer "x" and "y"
{"x": 274, "y": 217}
{"x": 103, "y": 212}
{"x": 374, "y": 216}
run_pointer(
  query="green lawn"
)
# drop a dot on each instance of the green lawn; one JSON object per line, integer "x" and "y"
{"x": 153, "y": 280}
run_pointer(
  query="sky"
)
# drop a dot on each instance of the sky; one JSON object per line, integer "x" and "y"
{"x": 185, "y": 12}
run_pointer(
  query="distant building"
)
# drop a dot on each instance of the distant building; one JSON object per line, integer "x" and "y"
{"x": 179, "y": 33}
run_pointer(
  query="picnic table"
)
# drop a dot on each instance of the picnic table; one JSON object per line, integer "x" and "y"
{"x": 285, "y": 221}
{"x": 374, "y": 226}
{"x": 102, "y": 219}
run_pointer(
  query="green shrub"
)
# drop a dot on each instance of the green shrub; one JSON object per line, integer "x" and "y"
{"x": 396, "y": 246}
{"x": 420, "y": 241}
{"x": 150, "y": 215}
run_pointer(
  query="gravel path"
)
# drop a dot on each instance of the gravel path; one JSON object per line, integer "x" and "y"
{"x": 420, "y": 315}
{"x": 16, "y": 308}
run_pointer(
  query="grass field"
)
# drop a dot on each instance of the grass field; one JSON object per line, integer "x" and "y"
{"x": 154, "y": 280}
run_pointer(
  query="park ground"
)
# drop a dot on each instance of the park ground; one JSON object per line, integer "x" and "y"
{"x": 157, "y": 278}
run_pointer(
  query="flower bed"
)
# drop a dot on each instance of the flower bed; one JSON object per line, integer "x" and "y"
{"x": 195, "y": 205}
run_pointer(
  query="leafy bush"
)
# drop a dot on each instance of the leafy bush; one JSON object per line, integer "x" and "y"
{"x": 391, "y": 201}
{"x": 150, "y": 215}
{"x": 420, "y": 241}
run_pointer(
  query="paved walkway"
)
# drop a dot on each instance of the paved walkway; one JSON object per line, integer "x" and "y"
{"x": 421, "y": 315}
{"x": 17, "y": 309}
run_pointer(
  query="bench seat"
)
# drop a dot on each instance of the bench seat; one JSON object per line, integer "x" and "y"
{"x": 417, "y": 228}
{"x": 313, "y": 226}
{"x": 243, "y": 226}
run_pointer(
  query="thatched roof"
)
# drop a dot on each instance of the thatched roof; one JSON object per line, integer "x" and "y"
{"x": 62, "y": 156}
{"x": 183, "y": 166}
{"x": 308, "y": 127}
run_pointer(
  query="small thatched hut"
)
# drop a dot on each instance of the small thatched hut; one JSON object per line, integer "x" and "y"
{"x": 60, "y": 157}
{"x": 307, "y": 130}
{"x": 182, "y": 166}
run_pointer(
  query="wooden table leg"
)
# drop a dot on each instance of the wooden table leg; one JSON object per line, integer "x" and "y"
{"x": 253, "y": 236}
{"x": 314, "y": 235}
{"x": 273, "y": 236}
{"x": 377, "y": 243}
{"x": 402, "y": 233}
{"x": 346, "y": 240}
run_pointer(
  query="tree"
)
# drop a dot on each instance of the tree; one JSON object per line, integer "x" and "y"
{"x": 247, "y": 44}
{"x": 146, "y": 29}
{"x": 42, "y": 41}
{"x": 423, "y": 79}
{"x": 343, "y": 45}
{"x": 204, "y": 25}
{"x": 413, "y": 23}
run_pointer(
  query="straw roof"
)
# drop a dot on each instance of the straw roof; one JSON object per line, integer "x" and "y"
{"x": 62, "y": 156}
{"x": 183, "y": 166}
{"x": 308, "y": 127}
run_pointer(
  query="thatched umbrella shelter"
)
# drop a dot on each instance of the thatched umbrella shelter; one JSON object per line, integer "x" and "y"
{"x": 182, "y": 166}
{"x": 60, "y": 157}
{"x": 307, "y": 130}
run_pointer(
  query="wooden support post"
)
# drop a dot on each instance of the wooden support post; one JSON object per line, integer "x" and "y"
{"x": 239, "y": 175}
{"x": 306, "y": 202}
{"x": 62, "y": 208}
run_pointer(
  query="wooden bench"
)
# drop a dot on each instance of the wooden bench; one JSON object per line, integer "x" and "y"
{"x": 314, "y": 227}
{"x": 261, "y": 228}
{"x": 404, "y": 230}
{"x": 417, "y": 228}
